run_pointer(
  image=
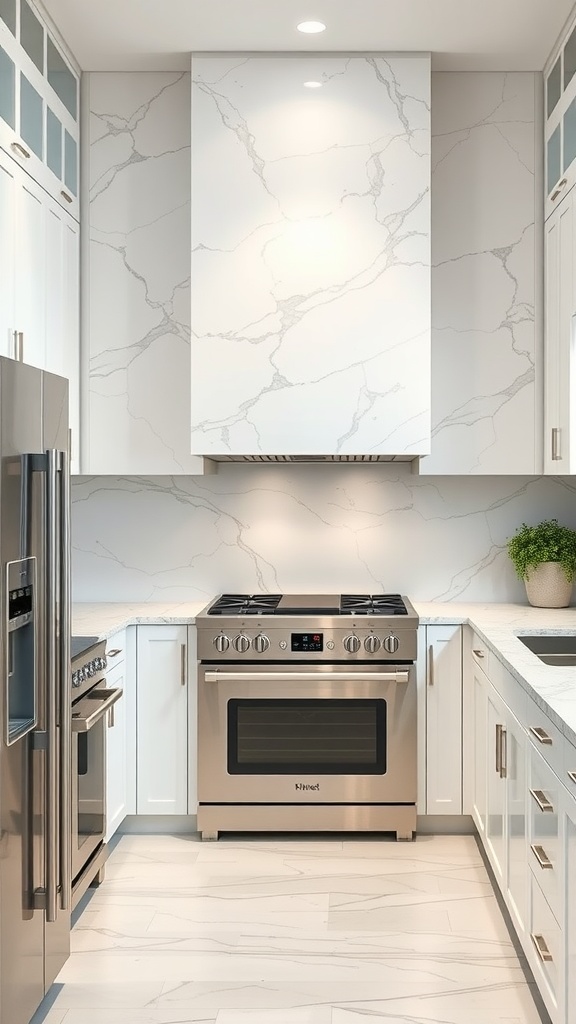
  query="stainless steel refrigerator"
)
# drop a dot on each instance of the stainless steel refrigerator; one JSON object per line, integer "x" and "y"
{"x": 35, "y": 763}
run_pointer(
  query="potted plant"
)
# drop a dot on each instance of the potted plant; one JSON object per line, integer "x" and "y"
{"x": 544, "y": 556}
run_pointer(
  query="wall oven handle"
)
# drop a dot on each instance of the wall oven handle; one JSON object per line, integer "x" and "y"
{"x": 104, "y": 700}
{"x": 312, "y": 677}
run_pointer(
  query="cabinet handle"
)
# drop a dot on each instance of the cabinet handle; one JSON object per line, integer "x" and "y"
{"x": 111, "y": 717}
{"x": 66, "y": 196}
{"x": 556, "y": 456}
{"x": 541, "y": 856}
{"x": 114, "y": 653}
{"x": 540, "y": 735}
{"x": 559, "y": 188}
{"x": 477, "y": 653}
{"x": 19, "y": 346}
{"x": 17, "y": 148}
{"x": 431, "y": 665}
{"x": 183, "y": 664}
{"x": 542, "y": 800}
{"x": 498, "y": 749}
{"x": 541, "y": 948}
{"x": 571, "y": 776}
{"x": 503, "y": 753}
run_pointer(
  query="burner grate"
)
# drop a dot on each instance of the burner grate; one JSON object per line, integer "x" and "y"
{"x": 246, "y": 604}
{"x": 372, "y": 604}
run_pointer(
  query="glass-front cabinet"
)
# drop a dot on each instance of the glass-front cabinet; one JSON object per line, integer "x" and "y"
{"x": 39, "y": 101}
{"x": 560, "y": 121}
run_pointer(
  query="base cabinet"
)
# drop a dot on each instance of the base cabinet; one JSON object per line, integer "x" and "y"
{"x": 568, "y": 950}
{"x": 162, "y": 720}
{"x": 116, "y": 751}
{"x": 443, "y": 720}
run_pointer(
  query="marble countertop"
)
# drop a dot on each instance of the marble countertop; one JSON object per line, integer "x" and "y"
{"x": 553, "y": 689}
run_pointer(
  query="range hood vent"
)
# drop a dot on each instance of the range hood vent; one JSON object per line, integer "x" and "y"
{"x": 313, "y": 458}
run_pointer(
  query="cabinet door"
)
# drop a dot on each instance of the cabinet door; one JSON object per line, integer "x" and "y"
{"x": 444, "y": 720}
{"x": 516, "y": 822}
{"x": 162, "y": 725}
{"x": 495, "y": 786}
{"x": 31, "y": 271}
{"x": 8, "y": 190}
{"x": 116, "y": 754}
{"x": 560, "y": 304}
{"x": 569, "y": 861}
{"x": 479, "y": 712}
{"x": 62, "y": 309}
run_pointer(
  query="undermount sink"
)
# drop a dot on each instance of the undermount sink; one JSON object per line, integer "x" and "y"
{"x": 552, "y": 650}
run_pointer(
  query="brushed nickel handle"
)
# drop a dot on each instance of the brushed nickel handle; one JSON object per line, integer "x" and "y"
{"x": 503, "y": 753}
{"x": 559, "y": 188}
{"x": 541, "y": 948}
{"x": 556, "y": 456}
{"x": 183, "y": 664}
{"x": 112, "y": 717}
{"x": 541, "y": 735}
{"x": 114, "y": 653}
{"x": 431, "y": 665}
{"x": 541, "y": 856}
{"x": 17, "y": 148}
{"x": 499, "y": 750}
{"x": 542, "y": 800}
{"x": 478, "y": 653}
{"x": 66, "y": 196}
{"x": 311, "y": 677}
{"x": 571, "y": 776}
{"x": 19, "y": 346}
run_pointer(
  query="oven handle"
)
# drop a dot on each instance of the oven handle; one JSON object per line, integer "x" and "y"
{"x": 312, "y": 677}
{"x": 109, "y": 698}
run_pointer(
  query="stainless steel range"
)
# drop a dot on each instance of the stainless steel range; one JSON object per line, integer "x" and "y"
{"x": 307, "y": 714}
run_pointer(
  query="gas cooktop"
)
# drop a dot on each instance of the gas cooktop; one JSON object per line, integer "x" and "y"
{"x": 308, "y": 604}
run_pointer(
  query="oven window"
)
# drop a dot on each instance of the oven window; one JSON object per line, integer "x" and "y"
{"x": 327, "y": 737}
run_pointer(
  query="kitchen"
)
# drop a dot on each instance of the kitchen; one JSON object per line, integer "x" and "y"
{"x": 152, "y": 525}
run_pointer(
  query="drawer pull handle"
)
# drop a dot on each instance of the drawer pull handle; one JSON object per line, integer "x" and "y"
{"x": 571, "y": 776}
{"x": 431, "y": 665}
{"x": 17, "y": 148}
{"x": 114, "y": 653}
{"x": 561, "y": 185}
{"x": 66, "y": 196}
{"x": 541, "y": 735}
{"x": 542, "y": 857}
{"x": 498, "y": 746}
{"x": 542, "y": 800}
{"x": 183, "y": 672}
{"x": 478, "y": 654}
{"x": 541, "y": 948}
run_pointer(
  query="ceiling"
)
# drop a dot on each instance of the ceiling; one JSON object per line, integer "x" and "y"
{"x": 132, "y": 35}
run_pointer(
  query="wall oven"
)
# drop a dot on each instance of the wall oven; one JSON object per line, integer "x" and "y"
{"x": 294, "y": 740}
{"x": 92, "y": 704}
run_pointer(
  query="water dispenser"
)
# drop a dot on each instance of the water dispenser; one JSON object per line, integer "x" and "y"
{"x": 21, "y": 688}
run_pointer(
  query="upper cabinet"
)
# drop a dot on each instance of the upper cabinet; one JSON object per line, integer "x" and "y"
{"x": 560, "y": 121}
{"x": 310, "y": 255}
{"x": 39, "y": 102}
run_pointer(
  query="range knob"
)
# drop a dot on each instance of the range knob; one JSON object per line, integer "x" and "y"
{"x": 241, "y": 643}
{"x": 221, "y": 643}
{"x": 261, "y": 643}
{"x": 352, "y": 644}
{"x": 372, "y": 644}
{"x": 75, "y": 679}
{"x": 391, "y": 644}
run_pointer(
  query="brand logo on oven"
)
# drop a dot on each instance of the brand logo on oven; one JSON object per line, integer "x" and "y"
{"x": 302, "y": 787}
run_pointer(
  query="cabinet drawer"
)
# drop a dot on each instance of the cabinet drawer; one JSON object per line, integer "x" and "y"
{"x": 116, "y": 649}
{"x": 544, "y": 854}
{"x": 545, "y": 947}
{"x": 569, "y": 774}
{"x": 547, "y": 739}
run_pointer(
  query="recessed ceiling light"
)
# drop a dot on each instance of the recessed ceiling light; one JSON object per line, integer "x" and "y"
{"x": 313, "y": 85}
{"x": 311, "y": 26}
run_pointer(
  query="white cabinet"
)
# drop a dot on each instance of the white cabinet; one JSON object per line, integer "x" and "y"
{"x": 444, "y": 720}
{"x": 559, "y": 339}
{"x": 116, "y": 753}
{"x": 517, "y": 873}
{"x": 568, "y": 833}
{"x": 477, "y": 733}
{"x": 162, "y": 720}
{"x": 39, "y": 283}
{"x": 560, "y": 119}
{"x": 39, "y": 107}
{"x": 495, "y": 784}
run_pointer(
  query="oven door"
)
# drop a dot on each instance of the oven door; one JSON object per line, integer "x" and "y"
{"x": 307, "y": 734}
{"x": 89, "y": 773}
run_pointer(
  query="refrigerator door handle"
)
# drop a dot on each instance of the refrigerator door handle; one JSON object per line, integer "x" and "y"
{"x": 65, "y": 694}
{"x": 52, "y": 640}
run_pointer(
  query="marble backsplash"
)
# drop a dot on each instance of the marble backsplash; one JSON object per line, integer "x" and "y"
{"x": 307, "y": 528}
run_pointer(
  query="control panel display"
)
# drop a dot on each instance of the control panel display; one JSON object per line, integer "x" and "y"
{"x": 307, "y": 643}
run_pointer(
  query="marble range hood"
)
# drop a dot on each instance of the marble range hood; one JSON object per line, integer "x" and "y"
{"x": 310, "y": 264}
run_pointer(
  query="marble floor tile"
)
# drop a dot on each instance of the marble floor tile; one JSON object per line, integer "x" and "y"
{"x": 293, "y": 932}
